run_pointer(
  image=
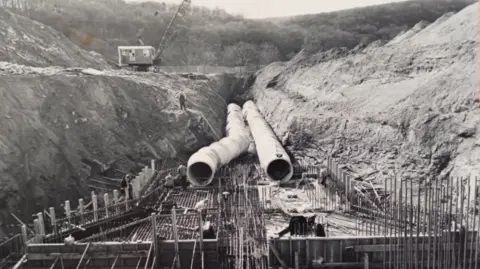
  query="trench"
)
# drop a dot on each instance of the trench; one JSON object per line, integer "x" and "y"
{"x": 232, "y": 88}
{"x": 202, "y": 170}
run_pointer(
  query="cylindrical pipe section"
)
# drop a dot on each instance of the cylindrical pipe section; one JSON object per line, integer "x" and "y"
{"x": 274, "y": 160}
{"x": 202, "y": 165}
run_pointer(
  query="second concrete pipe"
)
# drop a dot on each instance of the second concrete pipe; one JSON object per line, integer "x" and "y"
{"x": 274, "y": 160}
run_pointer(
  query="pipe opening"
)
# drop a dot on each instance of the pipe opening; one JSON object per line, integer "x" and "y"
{"x": 278, "y": 169}
{"x": 200, "y": 172}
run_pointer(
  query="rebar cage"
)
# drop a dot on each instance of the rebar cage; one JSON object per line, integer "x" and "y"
{"x": 397, "y": 225}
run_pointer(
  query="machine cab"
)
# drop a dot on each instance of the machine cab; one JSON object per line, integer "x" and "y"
{"x": 136, "y": 55}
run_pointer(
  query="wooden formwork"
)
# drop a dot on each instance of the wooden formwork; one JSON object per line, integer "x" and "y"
{"x": 445, "y": 250}
{"x": 395, "y": 225}
{"x": 190, "y": 253}
{"x": 88, "y": 255}
{"x": 122, "y": 255}
{"x": 373, "y": 252}
{"x": 10, "y": 251}
{"x": 107, "y": 206}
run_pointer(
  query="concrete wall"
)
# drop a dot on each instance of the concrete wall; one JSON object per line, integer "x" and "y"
{"x": 99, "y": 254}
{"x": 103, "y": 254}
{"x": 334, "y": 249}
{"x": 166, "y": 254}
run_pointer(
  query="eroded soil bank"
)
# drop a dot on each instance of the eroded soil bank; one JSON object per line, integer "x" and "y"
{"x": 407, "y": 107}
{"x": 53, "y": 119}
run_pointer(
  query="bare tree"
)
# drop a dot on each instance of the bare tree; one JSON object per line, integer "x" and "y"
{"x": 268, "y": 53}
{"x": 241, "y": 54}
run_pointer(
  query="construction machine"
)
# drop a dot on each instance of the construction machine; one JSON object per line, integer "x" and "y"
{"x": 142, "y": 57}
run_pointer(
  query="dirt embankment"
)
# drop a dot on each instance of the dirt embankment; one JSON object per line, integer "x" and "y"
{"x": 28, "y": 42}
{"x": 409, "y": 106}
{"x": 53, "y": 116}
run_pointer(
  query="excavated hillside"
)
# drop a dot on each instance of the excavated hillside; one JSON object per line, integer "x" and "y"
{"x": 409, "y": 106}
{"x": 53, "y": 117}
{"x": 31, "y": 43}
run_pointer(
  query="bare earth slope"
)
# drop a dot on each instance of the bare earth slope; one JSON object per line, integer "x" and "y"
{"x": 52, "y": 117}
{"x": 28, "y": 42}
{"x": 52, "y": 120}
{"x": 410, "y": 106}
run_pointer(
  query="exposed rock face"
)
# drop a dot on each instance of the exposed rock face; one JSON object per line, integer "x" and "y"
{"x": 410, "y": 105}
{"x": 54, "y": 119}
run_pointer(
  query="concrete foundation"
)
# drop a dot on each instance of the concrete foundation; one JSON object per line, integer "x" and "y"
{"x": 295, "y": 252}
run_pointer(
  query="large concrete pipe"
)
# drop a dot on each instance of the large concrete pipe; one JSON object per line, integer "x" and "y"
{"x": 274, "y": 160}
{"x": 202, "y": 165}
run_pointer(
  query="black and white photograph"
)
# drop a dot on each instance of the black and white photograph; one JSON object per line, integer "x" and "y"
{"x": 239, "y": 134}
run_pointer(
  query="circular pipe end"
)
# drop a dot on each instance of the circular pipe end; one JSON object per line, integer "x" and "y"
{"x": 200, "y": 174}
{"x": 279, "y": 170}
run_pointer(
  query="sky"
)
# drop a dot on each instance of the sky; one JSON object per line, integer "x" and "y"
{"x": 257, "y": 9}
